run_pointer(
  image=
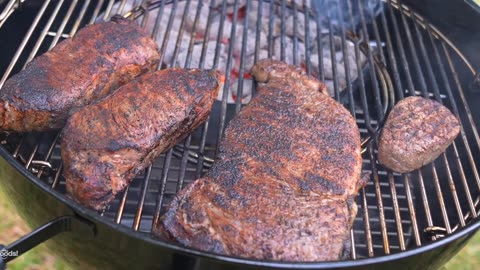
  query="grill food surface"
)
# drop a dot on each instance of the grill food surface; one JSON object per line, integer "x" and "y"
{"x": 284, "y": 184}
{"x": 105, "y": 145}
{"x": 85, "y": 68}
{"x": 416, "y": 132}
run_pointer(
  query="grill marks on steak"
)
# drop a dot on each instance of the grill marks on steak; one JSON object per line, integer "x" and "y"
{"x": 85, "y": 68}
{"x": 106, "y": 144}
{"x": 284, "y": 182}
{"x": 416, "y": 132}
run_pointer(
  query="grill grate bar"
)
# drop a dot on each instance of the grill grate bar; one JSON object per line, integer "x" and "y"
{"x": 368, "y": 231}
{"x": 96, "y": 11}
{"x": 282, "y": 30}
{"x": 454, "y": 146}
{"x": 223, "y": 110}
{"x": 141, "y": 202}
{"x": 444, "y": 157}
{"x": 426, "y": 204}
{"x": 258, "y": 37}
{"x": 364, "y": 102}
{"x": 220, "y": 30}
{"x": 49, "y": 153}
{"x": 453, "y": 190}
{"x": 123, "y": 201}
{"x": 333, "y": 59}
{"x": 438, "y": 189}
{"x": 376, "y": 33}
{"x": 32, "y": 55}
{"x": 180, "y": 33}
{"x": 238, "y": 102}
{"x": 415, "y": 58}
{"x": 79, "y": 19}
{"x": 168, "y": 158}
{"x": 295, "y": 35}
{"x": 205, "y": 126}
{"x": 378, "y": 192}
{"x": 425, "y": 93}
{"x": 352, "y": 240}
{"x": 411, "y": 208}
{"x": 24, "y": 42}
{"x": 16, "y": 152}
{"x": 270, "y": 29}
{"x": 187, "y": 141}
{"x": 119, "y": 215}
{"x": 161, "y": 194}
{"x": 63, "y": 24}
{"x": 108, "y": 11}
{"x": 321, "y": 71}
{"x": 121, "y": 7}
{"x": 349, "y": 90}
{"x": 398, "y": 219}
{"x": 166, "y": 38}
{"x": 456, "y": 111}
{"x": 391, "y": 56}
{"x": 401, "y": 50}
{"x": 373, "y": 73}
{"x": 348, "y": 78}
{"x": 306, "y": 22}
{"x": 43, "y": 33}
{"x": 30, "y": 158}
{"x": 187, "y": 65}
{"x": 56, "y": 180}
{"x": 426, "y": 59}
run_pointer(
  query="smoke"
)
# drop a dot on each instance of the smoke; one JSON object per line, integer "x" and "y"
{"x": 348, "y": 12}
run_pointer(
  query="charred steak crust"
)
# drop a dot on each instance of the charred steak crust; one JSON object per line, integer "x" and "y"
{"x": 416, "y": 132}
{"x": 284, "y": 182}
{"x": 79, "y": 70}
{"x": 104, "y": 145}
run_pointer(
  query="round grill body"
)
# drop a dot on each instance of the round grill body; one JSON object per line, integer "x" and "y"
{"x": 369, "y": 56}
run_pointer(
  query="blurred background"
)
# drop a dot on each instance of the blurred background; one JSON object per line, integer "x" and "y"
{"x": 12, "y": 227}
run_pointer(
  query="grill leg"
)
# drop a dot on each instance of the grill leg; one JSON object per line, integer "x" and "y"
{"x": 2, "y": 262}
{"x": 42, "y": 234}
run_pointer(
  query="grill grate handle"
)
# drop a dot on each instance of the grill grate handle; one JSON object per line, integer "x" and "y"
{"x": 44, "y": 233}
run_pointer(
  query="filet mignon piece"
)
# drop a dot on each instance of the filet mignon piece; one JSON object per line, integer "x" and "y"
{"x": 104, "y": 145}
{"x": 416, "y": 132}
{"x": 76, "y": 72}
{"x": 283, "y": 185}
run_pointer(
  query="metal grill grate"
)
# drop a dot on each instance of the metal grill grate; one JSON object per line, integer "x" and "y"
{"x": 390, "y": 54}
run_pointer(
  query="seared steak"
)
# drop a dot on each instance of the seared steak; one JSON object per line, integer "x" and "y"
{"x": 285, "y": 179}
{"x": 104, "y": 145}
{"x": 85, "y": 68}
{"x": 416, "y": 132}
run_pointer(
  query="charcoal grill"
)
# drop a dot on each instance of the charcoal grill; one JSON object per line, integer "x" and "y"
{"x": 411, "y": 221}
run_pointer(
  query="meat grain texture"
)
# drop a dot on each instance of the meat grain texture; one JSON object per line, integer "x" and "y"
{"x": 416, "y": 132}
{"x": 76, "y": 72}
{"x": 104, "y": 145}
{"x": 284, "y": 183}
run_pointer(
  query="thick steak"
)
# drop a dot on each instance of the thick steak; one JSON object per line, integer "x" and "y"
{"x": 85, "y": 68}
{"x": 285, "y": 179}
{"x": 416, "y": 132}
{"x": 104, "y": 145}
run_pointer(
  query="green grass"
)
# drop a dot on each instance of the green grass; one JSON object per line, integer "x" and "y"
{"x": 468, "y": 258}
{"x": 12, "y": 227}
